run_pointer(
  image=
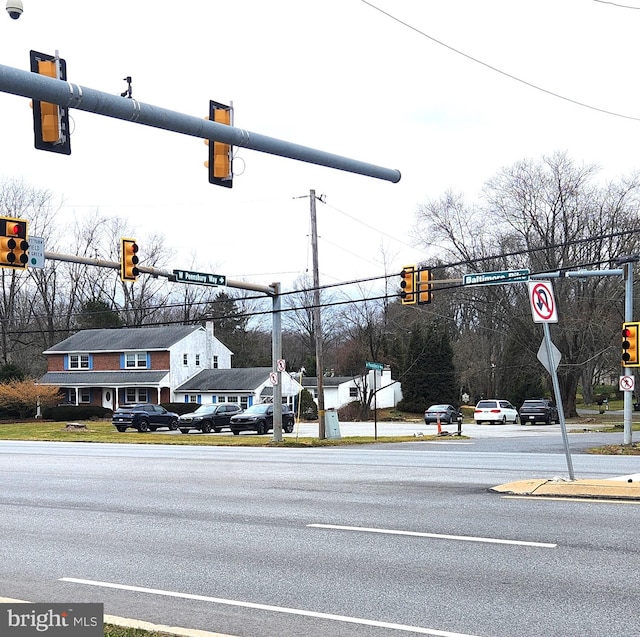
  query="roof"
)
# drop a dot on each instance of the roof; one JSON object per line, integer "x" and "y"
{"x": 117, "y": 378}
{"x": 128, "y": 338}
{"x": 328, "y": 381}
{"x": 238, "y": 379}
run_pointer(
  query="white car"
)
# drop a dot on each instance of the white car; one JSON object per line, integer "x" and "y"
{"x": 495, "y": 411}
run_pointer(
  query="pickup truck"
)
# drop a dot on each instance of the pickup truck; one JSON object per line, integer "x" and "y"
{"x": 259, "y": 418}
{"x": 538, "y": 410}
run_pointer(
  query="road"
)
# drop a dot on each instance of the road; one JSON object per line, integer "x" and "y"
{"x": 367, "y": 541}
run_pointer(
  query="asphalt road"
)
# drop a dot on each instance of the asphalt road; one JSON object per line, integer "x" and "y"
{"x": 380, "y": 540}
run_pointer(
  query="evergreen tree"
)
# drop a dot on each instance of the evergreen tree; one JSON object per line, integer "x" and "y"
{"x": 429, "y": 375}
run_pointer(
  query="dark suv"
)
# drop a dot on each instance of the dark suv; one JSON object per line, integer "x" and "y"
{"x": 538, "y": 410}
{"x": 259, "y": 418}
{"x": 143, "y": 417}
{"x": 208, "y": 417}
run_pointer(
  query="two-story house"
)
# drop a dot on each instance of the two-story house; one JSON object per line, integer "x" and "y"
{"x": 109, "y": 367}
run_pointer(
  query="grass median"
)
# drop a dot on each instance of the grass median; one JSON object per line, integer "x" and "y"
{"x": 105, "y": 432}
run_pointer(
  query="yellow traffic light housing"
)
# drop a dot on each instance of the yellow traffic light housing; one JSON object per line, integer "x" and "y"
{"x": 14, "y": 244}
{"x": 129, "y": 259}
{"x": 408, "y": 285}
{"x": 220, "y": 162}
{"x": 630, "y": 344}
{"x": 50, "y": 121}
{"x": 425, "y": 287}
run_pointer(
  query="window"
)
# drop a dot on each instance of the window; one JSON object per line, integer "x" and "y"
{"x": 244, "y": 402}
{"x": 222, "y": 399}
{"x": 215, "y": 362}
{"x": 197, "y": 360}
{"x": 136, "y": 395}
{"x": 232, "y": 399}
{"x": 185, "y": 359}
{"x": 193, "y": 398}
{"x": 84, "y": 395}
{"x": 353, "y": 392}
{"x": 78, "y": 361}
{"x": 133, "y": 360}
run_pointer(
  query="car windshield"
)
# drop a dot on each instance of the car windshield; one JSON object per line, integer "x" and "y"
{"x": 205, "y": 409}
{"x": 257, "y": 409}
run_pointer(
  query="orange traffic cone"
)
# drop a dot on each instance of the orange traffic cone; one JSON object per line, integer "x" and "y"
{"x": 439, "y": 426}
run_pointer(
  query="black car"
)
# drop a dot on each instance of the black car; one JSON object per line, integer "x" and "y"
{"x": 539, "y": 410}
{"x": 208, "y": 417}
{"x": 143, "y": 417}
{"x": 259, "y": 418}
{"x": 447, "y": 414}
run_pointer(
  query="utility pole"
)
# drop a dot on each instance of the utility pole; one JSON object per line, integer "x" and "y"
{"x": 317, "y": 326}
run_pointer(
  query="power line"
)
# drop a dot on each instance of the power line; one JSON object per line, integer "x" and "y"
{"x": 500, "y": 71}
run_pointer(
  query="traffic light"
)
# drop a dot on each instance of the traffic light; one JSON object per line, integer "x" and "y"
{"x": 630, "y": 345}
{"x": 14, "y": 244}
{"x": 50, "y": 121}
{"x": 425, "y": 294}
{"x": 408, "y": 285}
{"x": 220, "y": 162}
{"x": 129, "y": 259}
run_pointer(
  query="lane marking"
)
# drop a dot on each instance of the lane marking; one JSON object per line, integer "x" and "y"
{"x": 439, "y": 536}
{"x": 276, "y": 609}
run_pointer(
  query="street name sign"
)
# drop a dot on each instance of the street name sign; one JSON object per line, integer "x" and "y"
{"x": 36, "y": 252}
{"x": 495, "y": 278}
{"x": 200, "y": 278}
{"x": 377, "y": 366}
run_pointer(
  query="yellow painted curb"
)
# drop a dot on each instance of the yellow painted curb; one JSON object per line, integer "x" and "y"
{"x": 575, "y": 488}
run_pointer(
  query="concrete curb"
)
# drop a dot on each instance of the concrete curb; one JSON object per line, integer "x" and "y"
{"x": 602, "y": 489}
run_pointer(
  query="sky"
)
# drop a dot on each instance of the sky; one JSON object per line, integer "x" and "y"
{"x": 448, "y": 92}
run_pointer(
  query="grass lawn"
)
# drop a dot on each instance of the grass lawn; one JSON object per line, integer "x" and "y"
{"x": 104, "y": 431}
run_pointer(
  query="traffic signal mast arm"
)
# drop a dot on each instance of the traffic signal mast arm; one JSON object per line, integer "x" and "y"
{"x": 155, "y": 272}
{"x": 70, "y": 95}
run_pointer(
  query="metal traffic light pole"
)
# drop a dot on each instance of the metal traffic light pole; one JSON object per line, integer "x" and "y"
{"x": 70, "y": 95}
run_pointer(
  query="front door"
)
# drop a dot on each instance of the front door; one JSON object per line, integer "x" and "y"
{"x": 107, "y": 398}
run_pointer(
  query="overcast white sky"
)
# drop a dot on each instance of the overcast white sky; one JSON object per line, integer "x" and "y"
{"x": 337, "y": 75}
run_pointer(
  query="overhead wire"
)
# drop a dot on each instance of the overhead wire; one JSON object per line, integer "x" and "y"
{"x": 497, "y": 70}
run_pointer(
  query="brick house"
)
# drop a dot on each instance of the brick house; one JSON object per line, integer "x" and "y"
{"x": 109, "y": 367}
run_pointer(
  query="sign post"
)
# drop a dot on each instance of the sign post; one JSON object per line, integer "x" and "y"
{"x": 544, "y": 310}
{"x": 376, "y": 367}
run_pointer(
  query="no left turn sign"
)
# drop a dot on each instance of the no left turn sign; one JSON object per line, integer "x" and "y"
{"x": 543, "y": 304}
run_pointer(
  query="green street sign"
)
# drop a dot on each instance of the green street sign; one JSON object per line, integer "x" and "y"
{"x": 495, "y": 278}
{"x": 199, "y": 278}
{"x": 378, "y": 366}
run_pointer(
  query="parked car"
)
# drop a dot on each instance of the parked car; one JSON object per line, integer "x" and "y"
{"x": 208, "y": 417}
{"x": 143, "y": 417}
{"x": 447, "y": 414}
{"x": 259, "y": 418}
{"x": 495, "y": 411}
{"x": 539, "y": 410}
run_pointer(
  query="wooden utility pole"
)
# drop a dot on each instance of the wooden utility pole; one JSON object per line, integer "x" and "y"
{"x": 317, "y": 326}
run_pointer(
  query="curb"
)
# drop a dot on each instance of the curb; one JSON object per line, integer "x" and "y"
{"x": 603, "y": 489}
{"x": 135, "y": 623}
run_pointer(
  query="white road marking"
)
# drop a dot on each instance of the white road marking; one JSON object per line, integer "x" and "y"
{"x": 440, "y": 536}
{"x": 268, "y": 607}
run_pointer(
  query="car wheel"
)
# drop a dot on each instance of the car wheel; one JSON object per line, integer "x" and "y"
{"x": 184, "y": 431}
{"x": 261, "y": 429}
{"x": 143, "y": 426}
{"x": 206, "y": 427}
{"x": 121, "y": 429}
{"x": 173, "y": 425}
{"x": 504, "y": 420}
{"x": 516, "y": 420}
{"x": 288, "y": 428}
{"x": 235, "y": 432}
